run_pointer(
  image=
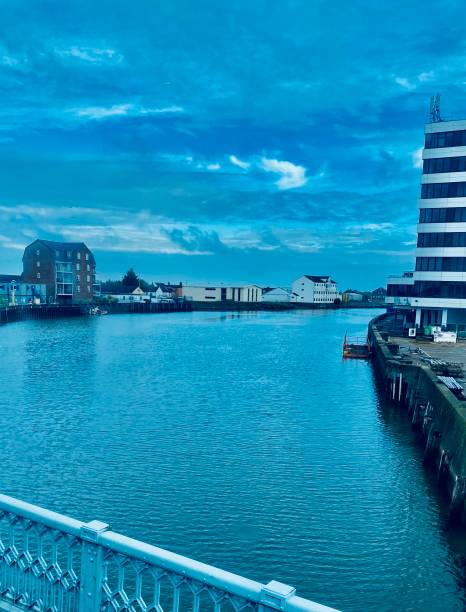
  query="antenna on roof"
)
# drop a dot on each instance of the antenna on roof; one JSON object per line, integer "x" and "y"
{"x": 435, "y": 108}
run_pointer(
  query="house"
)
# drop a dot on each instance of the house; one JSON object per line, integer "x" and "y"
{"x": 163, "y": 293}
{"x": 127, "y": 295}
{"x": 66, "y": 268}
{"x": 315, "y": 290}
{"x": 15, "y": 292}
{"x": 219, "y": 293}
{"x": 279, "y": 295}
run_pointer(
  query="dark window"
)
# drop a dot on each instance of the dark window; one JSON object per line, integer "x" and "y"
{"x": 441, "y": 239}
{"x": 443, "y": 190}
{"x": 444, "y": 164}
{"x": 441, "y": 264}
{"x": 446, "y": 139}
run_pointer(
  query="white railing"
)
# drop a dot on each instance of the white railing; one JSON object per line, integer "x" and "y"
{"x": 52, "y": 563}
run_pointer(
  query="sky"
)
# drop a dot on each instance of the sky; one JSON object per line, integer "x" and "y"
{"x": 209, "y": 141}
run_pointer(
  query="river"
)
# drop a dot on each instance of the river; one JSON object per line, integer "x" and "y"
{"x": 239, "y": 439}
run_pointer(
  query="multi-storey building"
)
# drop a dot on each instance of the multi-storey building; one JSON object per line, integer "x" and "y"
{"x": 66, "y": 268}
{"x": 315, "y": 290}
{"x": 437, "y": 288}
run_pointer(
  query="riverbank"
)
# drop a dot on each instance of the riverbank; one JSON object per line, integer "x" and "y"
{"x": 435, "y": 412}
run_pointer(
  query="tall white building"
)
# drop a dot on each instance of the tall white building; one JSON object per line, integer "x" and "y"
{"x": 315, "y": 290}
{"x": 437, "y": 288}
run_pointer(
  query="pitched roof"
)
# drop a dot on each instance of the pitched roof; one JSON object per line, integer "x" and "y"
{"x": 52, "y": 244}
{"x": 319, "y": 279}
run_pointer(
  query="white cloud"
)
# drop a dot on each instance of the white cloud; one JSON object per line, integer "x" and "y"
{"x": 292, "y": 176}
{"x": 8, "y": 60}
{"x": 238, "y": 162}
{"x": 416, "y": 157}
{"x": 405, "y": 83}
{"x": 213, "y": 167}
{"x": 102, "y": 112}
{"x": 425, "y": 76}
{"x": 91, "y": 54}
{"x": 163, "y": 110}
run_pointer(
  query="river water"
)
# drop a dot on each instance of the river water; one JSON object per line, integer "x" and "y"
{"x": 242, "y": 440}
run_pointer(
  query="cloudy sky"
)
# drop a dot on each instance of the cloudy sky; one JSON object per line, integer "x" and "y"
{"x": 223, "y": 141}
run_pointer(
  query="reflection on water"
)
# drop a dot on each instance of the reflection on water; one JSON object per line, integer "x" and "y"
{"x": 241, "y": 439}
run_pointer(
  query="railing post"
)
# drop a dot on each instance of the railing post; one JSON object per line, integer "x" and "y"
{"x": 92, "y": 566}
{"x": 274, "y": 596}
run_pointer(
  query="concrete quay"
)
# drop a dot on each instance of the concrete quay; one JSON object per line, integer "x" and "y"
{"x": 435, "y": 412}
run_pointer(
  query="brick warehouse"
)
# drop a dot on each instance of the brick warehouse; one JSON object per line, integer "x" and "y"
{"x": 66, "y": 268}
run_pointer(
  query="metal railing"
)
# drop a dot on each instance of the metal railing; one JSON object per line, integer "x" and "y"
{"x": 52, "y": 563}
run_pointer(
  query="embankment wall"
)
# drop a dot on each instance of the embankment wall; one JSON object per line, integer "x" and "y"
{"x": 435, "y": 413}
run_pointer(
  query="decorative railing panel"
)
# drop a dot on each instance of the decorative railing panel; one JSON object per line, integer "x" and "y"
{"x": 52, "y": 563}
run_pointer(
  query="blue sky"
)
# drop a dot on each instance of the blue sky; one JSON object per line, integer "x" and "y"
{"x": 213, "y": 141}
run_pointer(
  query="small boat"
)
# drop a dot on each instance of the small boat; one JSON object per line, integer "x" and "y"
{"x": 97, "y": 311}
{"x": 356, "y": 348}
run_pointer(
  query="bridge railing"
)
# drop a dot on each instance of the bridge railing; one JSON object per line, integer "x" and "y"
{"x": 52, "y": 563}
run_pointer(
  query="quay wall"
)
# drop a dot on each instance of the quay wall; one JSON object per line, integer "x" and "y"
{"x": 9, "y": 314}
{"x": 436, "y": 414}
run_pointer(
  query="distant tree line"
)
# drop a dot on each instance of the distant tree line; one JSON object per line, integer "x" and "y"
{"x": 127, "y": 284}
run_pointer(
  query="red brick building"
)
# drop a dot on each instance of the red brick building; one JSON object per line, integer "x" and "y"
{"x": 66, "y": 268}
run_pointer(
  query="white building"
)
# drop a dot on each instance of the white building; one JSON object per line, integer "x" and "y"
{"x": 219, "y": 293}
{"x": 437, "y": 288}
{"x": 315, "y": 290}
{"x": 138, "y": 295}
{"x": 279, "y": 295}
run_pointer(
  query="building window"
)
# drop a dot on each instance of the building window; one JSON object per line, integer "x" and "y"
{"x": 88, "y": 288}
{"x": 38, "y": 252}
{"x": 38, "y": 275}
{"x": 443, "y": 190}
{"x": 440, "y": 140}
{"x": 68, "y": 254}
{"x": 87, "y": 256}
{"x": 79, "y": 255}
{"x": 78, "y": 267}
{"x": 38, "y": 264}
{"x": 88, "y": 278}
{"x": 78, "y": 288}
{"x": 88, "y": 268}
{"x": 57, "y": 253}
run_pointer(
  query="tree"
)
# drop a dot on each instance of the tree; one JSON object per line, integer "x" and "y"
{"x": 130, "y": 279}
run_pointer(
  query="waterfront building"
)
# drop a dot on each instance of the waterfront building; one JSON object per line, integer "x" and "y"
{"x": 163, "y": 293}
{"x": 15, "y": 292}
{"x": 379, "y": 295}
{"x": 128, "y": 296}
{"x": 351, "y": 296}
{"x": 219, "y": 293}
{"x": 279, "y": 295}
{"x": 436, "y": 291}
{"x": 315, "y": 290}
{"x": 66, "y": 268}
